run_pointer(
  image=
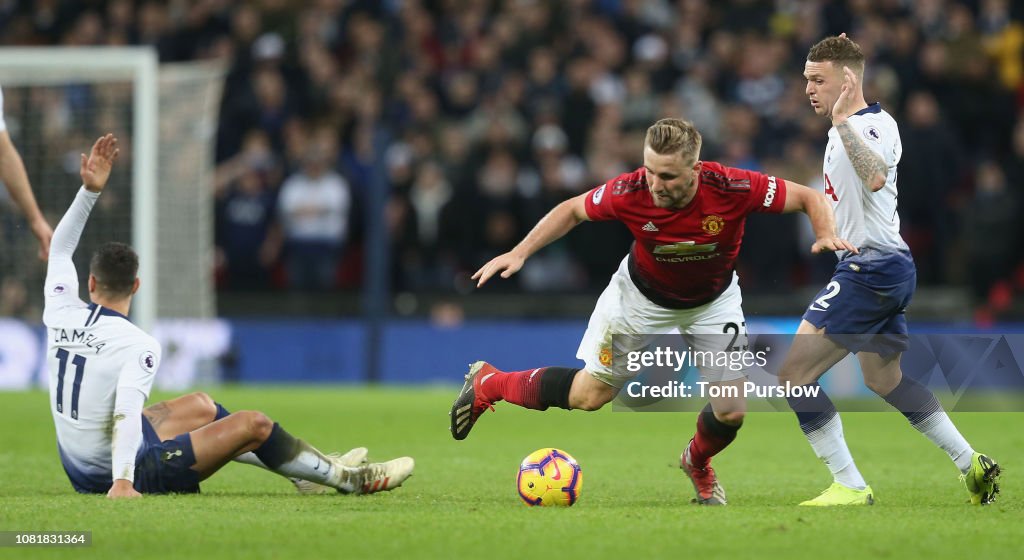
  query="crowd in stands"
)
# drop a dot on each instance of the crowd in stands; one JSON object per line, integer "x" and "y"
{"x": 478, "y": 116}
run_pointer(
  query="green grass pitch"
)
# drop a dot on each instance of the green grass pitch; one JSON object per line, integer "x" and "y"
{"x": 462, "y": 500}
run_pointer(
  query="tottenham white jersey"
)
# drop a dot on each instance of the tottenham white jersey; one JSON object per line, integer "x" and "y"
{"x": 92, "y": 353}
{"x": 865, "y": 218}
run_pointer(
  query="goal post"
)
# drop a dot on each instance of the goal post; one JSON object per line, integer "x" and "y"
{"x": 167, "y": 124}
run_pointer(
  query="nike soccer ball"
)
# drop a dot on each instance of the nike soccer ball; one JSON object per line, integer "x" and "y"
{"x": 549, "y": 477}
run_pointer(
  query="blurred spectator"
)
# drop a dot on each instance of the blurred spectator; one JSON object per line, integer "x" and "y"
{"x": 699, "y": 103}
{"x": 1015, "y": 183}
{"x": 429, "y": 195}
{"x": 245, "y": 210}
{"x": 640, "y": 108}
{"x": 758, "y": 84}
{"x": 929, "y": 171}
{"x": 313, "y": 214}
{"x": 1003, "y": 38}
{"x": 429, "y": 221}
{"x": 14, "y": 301}
{"x": 991, "y": 216}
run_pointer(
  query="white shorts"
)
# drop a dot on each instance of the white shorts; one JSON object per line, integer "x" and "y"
{"x": 626, "y": 313}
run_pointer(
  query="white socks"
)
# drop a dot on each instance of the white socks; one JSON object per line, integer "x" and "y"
{"x": 309, "y": 464}
{"x": 939, "y": 429}
{"x": 830, "y": 446}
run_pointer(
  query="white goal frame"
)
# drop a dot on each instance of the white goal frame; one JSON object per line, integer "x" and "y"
{"x": 138, "y": 65}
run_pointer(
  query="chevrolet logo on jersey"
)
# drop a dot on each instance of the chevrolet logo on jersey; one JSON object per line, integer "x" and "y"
{"x": 685, "y": 248}
{"x": 685, "y": 251}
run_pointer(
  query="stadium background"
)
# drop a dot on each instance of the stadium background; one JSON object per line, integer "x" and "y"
{"x": 444, "y": 130}
{"x": 452, "y": 126}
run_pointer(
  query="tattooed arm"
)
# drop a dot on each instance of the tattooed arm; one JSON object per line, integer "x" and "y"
{"x": 868, "y": 164}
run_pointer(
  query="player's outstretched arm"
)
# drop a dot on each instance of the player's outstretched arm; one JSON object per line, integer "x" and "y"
{"x": 800, "y": 198}
{"x": 14, "y": 176}
{"x": 95, "y": 169}
{"x": 61, "y": 285}
{"x": 556, "y": 223}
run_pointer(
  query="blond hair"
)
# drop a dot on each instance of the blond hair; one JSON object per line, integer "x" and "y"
{"x": 674, "y": 136}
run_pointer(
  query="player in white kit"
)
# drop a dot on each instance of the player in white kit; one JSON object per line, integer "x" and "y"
{"x": 861, "y": 310}
{"x": 101, "y": 369}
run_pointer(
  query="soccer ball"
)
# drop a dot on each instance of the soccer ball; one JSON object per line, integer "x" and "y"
{"x": 549, "y": 477}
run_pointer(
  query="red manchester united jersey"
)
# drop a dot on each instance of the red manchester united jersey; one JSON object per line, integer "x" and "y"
{"x": 684, "y": 258}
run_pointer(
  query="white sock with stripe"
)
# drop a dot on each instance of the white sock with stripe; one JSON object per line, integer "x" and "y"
{"x": 830, "y": 446}
{"x": 822, "y": 427}
{"x": 294, "y": 458}
{"x": 925, "y": 414}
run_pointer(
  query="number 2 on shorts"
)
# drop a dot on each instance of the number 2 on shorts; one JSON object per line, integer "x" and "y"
{"x": 822, "y": 302}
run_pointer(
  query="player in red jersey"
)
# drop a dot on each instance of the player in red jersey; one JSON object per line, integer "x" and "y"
{"x": 687, "y": 217}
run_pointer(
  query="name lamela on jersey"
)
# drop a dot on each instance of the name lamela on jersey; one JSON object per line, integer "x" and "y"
{"x": 685, "y": 251}
{"x": 78, "y": 336}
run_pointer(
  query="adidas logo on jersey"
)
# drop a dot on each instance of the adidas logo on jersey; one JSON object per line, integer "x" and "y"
{"x": 649, "y": 226}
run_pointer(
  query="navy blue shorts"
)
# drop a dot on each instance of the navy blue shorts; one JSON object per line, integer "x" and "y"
{"x": 163, "y": 467}
{"x": 863, "y": 307}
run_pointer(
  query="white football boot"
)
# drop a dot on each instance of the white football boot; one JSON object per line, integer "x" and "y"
{"x": 381, "y": 477}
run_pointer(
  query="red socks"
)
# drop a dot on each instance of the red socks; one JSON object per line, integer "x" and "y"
{"x": 517, "y": 387}
{"x": 533, "y": 388}
{"x": 712, "y": 437}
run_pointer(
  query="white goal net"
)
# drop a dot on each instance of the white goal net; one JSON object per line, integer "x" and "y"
{"x": 159, "y": 199}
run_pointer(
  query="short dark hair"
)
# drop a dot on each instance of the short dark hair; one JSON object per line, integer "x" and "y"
{"x": 840, "y": 51}
{"x": 674, "y": 136}
{"x": 115, "y": 266}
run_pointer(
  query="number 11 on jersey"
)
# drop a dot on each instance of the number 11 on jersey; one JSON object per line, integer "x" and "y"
{"x": 76, "y": 388}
